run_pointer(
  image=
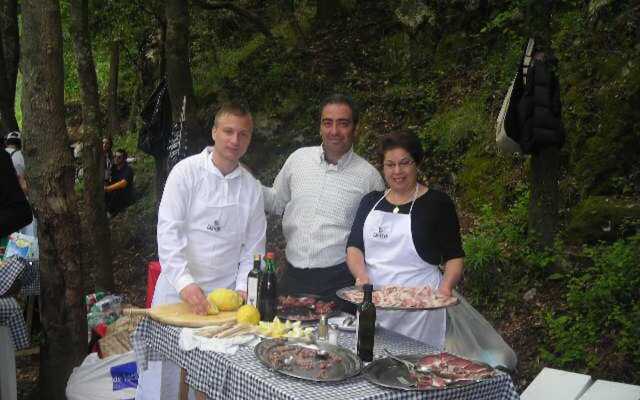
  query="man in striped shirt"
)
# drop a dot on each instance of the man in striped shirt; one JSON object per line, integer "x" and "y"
{"x": 317, "y": 192}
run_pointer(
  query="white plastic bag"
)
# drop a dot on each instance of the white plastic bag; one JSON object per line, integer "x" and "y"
{"x": 471, "y": 336}
{"x": 111, "y": 378}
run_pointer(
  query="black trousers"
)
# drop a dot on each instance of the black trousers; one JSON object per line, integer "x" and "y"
{"x": 322, "y": 282}
{"x": 117, "y": 201}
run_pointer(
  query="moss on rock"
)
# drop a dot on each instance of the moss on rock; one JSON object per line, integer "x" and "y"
{"x": 602, "y": 218}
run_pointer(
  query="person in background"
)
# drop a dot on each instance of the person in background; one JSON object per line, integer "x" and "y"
{"x": 317, "y": 192}
{"x": 402, "y": 235}
{"x": 211, "y": 222}
{"x": 14, "y": 148}
{"x": 119, "y": 190}
{"x": 108, "y": 158}
{"x": 15, "y": 212}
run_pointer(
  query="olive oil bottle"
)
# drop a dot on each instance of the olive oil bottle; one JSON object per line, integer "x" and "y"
{"x": 366, "y": 329}
{"x": 253, "y": 280}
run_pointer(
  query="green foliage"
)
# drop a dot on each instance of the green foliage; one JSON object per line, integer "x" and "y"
{"x": 603, "y": 130}
{"x": 229, "y": 62}
{"x": 506, "y": 20}
{"x": 413, "y": 13}
{"x": 598, "y": 330}
{"x": 450, "y": 133}
{"x": 500, "y": 255}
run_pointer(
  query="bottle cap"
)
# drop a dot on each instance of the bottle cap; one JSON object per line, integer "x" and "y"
{"x": 269, "y": 255}
{"x": 367, "y": 287}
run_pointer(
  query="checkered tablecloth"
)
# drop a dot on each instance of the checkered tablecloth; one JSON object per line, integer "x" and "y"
{"x": 11, "y": 316}
{"x": 26, "y": 273}
{"x": 242, "y": 376}
{"x": 10, "y": 272}
{"x": 31, "y": 278}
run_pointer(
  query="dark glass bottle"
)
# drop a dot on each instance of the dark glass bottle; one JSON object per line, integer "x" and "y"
{"x": 253, "y": 280}
{"x": 366, "y": 329}
{"x": 268, "y": 290}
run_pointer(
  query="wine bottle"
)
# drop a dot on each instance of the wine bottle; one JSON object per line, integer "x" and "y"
{"x": 252, "y": 282}
{"x": 268, "y": 290}
{"x": 366, "y": 329}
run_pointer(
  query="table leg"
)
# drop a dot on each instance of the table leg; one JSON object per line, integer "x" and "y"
{"x": 184, "y": 388}
{"x": 30, "y": 305}
{"x": 8, "y": 389}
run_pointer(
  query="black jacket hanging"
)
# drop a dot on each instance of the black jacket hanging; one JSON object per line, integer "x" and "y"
{"x": 539, "y": 109}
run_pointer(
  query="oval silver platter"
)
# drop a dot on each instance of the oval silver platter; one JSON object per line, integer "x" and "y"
{"x": 341, "y": 294}
{"x": 350, "y": 365}
{"x": 389, "y": 373}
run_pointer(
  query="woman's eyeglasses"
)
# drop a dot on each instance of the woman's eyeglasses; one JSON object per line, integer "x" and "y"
{"x": 403, "y": 164}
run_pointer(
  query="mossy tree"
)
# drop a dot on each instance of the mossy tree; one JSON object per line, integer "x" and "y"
{"x": 97, "y": 245}
{"x": 51, "y": 176}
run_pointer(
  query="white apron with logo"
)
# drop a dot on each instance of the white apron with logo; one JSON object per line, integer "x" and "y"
{"x": 392, "y": 259}
{"x": 215, "y": 240}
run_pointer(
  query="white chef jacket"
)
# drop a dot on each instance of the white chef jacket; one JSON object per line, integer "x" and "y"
{"x": 209, "y": 227}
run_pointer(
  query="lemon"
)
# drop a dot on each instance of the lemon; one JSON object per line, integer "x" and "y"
{"x": 248, "y": 314}
{"x": 225, "y": 299}
{"x": 213, "y": 309}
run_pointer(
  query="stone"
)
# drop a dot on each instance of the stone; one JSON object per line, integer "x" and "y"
{"x": 530, "y": 294}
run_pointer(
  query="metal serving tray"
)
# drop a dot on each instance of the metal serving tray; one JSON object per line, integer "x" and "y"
{"x": 350, "y": 366}
{"x": 302, "y": 313}
{"x": 341, "y": 294}
{"x": 389, "y": 373}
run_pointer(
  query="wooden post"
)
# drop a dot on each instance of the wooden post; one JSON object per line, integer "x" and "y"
{"x": 184, "y": 388}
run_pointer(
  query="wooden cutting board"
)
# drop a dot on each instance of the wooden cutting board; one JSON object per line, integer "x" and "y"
{"x": 180, "y": 314}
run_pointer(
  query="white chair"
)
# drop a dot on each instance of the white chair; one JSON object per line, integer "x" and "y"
{"x": 555, "y": 384}
{"x": 607, "y": 390}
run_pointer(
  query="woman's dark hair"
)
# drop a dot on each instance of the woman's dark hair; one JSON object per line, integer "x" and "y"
{"x": 402, "y": 140}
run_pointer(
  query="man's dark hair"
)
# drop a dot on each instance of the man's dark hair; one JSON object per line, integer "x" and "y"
{"x": 402, "y": 140}
{"x": 14, "y": 142}
{"x": 123, "y": 152}
{"x": 338, "y": 98}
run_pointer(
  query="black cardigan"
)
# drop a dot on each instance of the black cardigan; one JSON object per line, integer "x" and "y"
{"x": 434, "y": 225}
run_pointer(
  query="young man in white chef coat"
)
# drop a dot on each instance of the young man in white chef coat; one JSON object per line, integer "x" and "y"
{"x": 210, "y": 224}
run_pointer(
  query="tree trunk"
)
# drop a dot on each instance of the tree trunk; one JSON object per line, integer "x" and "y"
{"x": 160, "y": 176}
{"x": 543, "y": 204}
{"x": 98, "y": 242}
{"x": 545, "y": 165}
{"x": 133, "y": 122}
{"x": 51, "y": 175}
{"x": 112, "y": 100}
{"x": 7, "y": 113}
{"x": 163, "y": 47}
{"x": 9, "y": 64}
{"x": 178, "y": 60}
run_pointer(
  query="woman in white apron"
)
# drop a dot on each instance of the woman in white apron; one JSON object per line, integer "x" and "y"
{"x": 400, "y": 236}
